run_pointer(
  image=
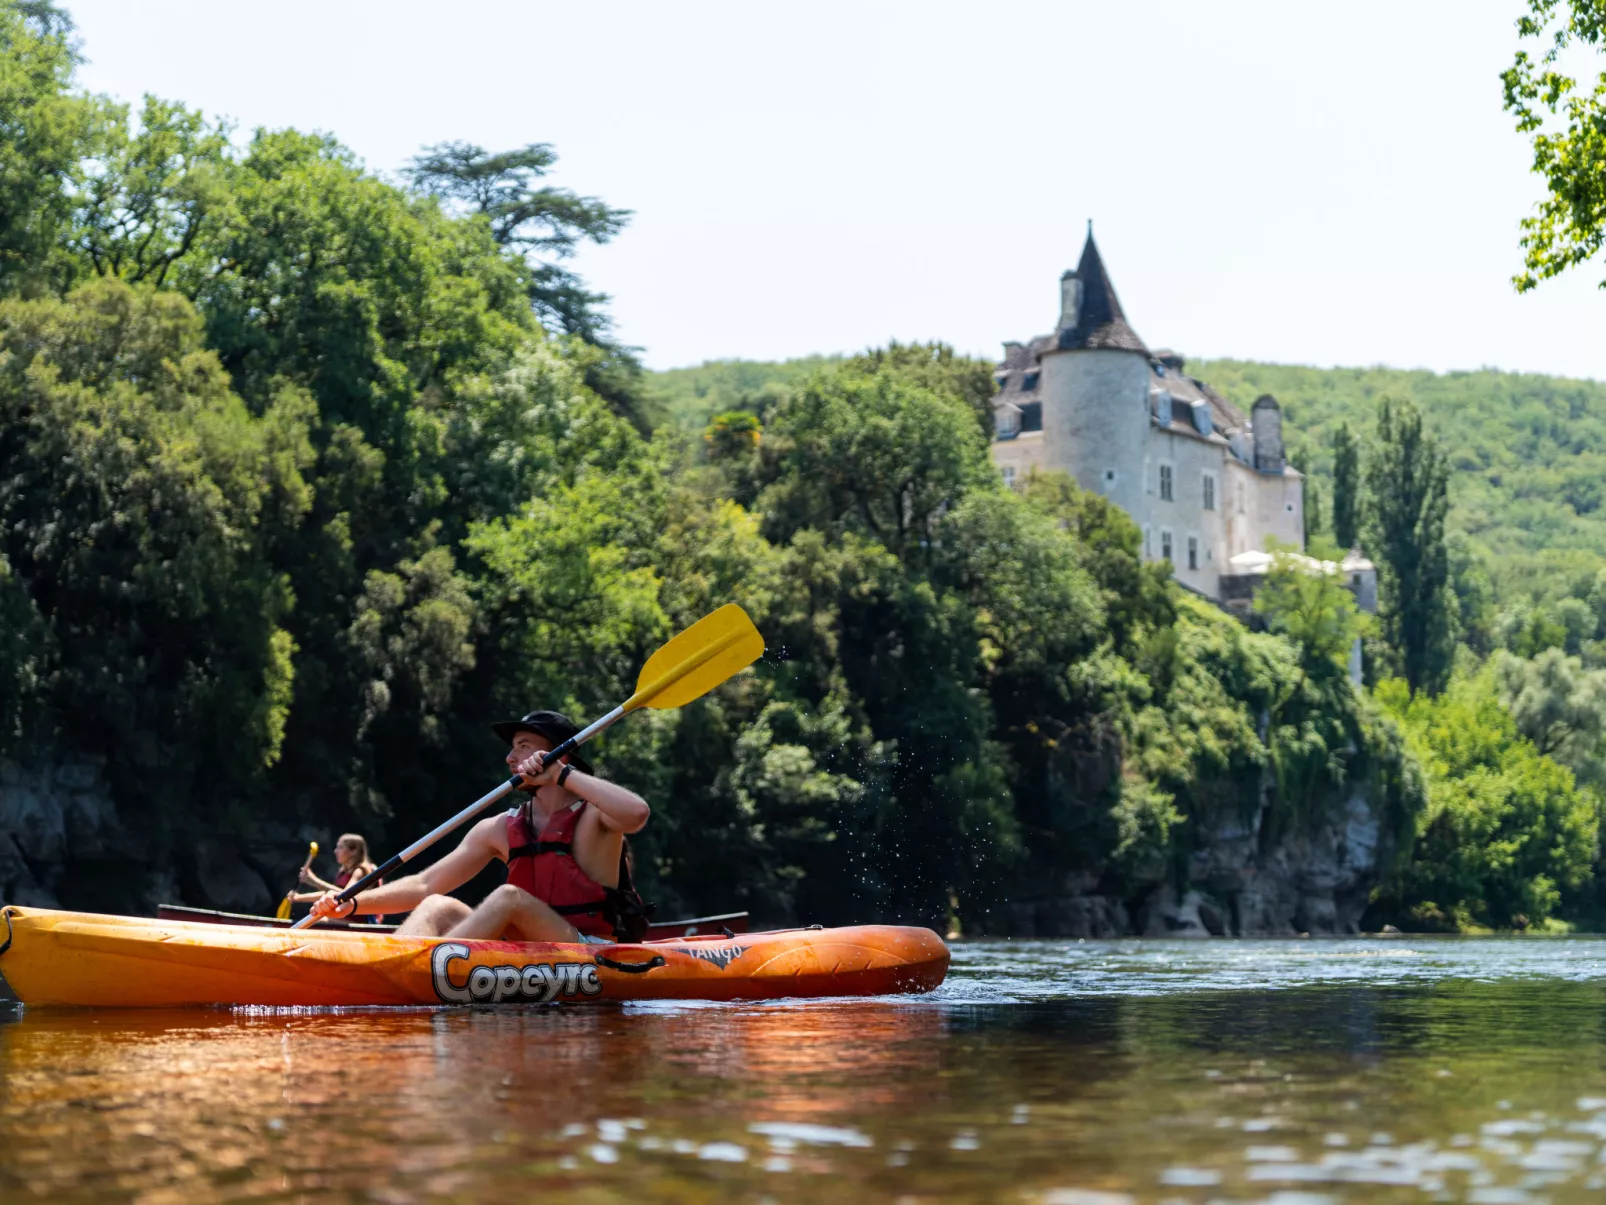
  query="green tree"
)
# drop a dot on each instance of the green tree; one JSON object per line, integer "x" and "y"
{"x": 873, "y": 453}
{"x": 45, "y": 130}
{"x": 1474, "y": 593}
{"x": 1556, "y": 703}
{"x": 1508, "y": 838}
{"x": 735, "y": 433}
{"x": 145, "y": 198}
{"x": 937, "y": 367}
{"x": 1564, "y": 123}
{"x": 1137, "y": 598}
{"x": 433, "y": 398}
{"x": 546, "y": 224}
{"x": 1407, "y": 481}
{"x": 135, "y": 488}
{"x": 1302, "y": 600}
{"x": 1346, "y": 487}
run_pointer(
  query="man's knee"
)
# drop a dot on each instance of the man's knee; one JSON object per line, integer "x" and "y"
{"x": 445, "y": 907}
{"x": 434, "y": 915}
{"x": 510, "y": 896}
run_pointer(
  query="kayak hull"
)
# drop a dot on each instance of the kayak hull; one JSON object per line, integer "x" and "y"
{"x": 84, "y": 959}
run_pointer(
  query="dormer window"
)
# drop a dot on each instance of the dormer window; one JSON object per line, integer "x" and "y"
{"x": 1006, "y": 421}
{"x": 1029, "y": 381}
{"x": 1002, "y": 381}
{"x": 1031, "y": 416}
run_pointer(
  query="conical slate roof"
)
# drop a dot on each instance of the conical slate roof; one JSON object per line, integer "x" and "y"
{"x": 1100, "y": 323}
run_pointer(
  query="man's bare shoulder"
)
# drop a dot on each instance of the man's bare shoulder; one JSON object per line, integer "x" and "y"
{"x": 489, "y": 835}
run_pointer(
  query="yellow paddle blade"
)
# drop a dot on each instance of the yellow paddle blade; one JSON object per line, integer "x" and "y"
{"x": 284, "y": 909}
{"x": 697, "y": 660}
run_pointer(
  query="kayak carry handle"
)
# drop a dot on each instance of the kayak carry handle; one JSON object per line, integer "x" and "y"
{"x": 6, "y": 944}
{"x": 631, "y": 968}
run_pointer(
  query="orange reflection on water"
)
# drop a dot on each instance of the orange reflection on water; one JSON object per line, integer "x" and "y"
{"x": 402, "y": 1105}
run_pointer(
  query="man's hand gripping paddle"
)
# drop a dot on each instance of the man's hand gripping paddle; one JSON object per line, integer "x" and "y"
{"x": 688, "y": 667}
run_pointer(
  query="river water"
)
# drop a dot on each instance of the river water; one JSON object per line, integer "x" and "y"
{"x": 1071, "y": 1073}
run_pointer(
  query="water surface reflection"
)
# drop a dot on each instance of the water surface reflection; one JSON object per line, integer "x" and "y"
{"x": 1090, "y": 1074}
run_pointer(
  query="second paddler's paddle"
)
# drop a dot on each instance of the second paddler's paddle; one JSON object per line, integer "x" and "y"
{"x": 284, "y": 905}
{"x": 688, "y": 667}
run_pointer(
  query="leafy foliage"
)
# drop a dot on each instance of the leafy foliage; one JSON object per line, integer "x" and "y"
{"x": 1570, "y": 227}
{"x": 1346, "y": 487}
{"x": 545, "y": 223}
{"x": 1407, "y": 484}
{"x": 1508, "y": 838}
{"x": 136, "y": 485}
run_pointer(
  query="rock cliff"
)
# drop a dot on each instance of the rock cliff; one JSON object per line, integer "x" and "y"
{"x": 1316, "y": 881}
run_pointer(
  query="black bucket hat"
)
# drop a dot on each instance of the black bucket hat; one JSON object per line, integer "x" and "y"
{"x": 553, "y": 725}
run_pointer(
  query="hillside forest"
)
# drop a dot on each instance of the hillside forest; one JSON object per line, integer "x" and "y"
{"x": 308, "y": 474}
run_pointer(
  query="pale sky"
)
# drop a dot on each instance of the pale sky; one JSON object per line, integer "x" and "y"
{"x": 1321, "y": 184}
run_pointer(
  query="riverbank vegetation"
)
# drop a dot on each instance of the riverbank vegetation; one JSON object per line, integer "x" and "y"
{"x": 307, "y": 475}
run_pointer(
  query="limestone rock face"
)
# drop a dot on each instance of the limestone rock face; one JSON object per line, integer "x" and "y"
{"x": 1068, "y": 916}
{"x": 59, "y": 830}
{"x": 228, "y": 882}
{"x": 1315, "y": 882}
{"x": 48, "y": 816}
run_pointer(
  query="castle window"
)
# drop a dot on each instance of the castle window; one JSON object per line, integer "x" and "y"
{"x": 1165, "y": 545}
{"x": 1210, "y": 491}
{"x": 1148, "y": 545}
{"x": 1007, "y": 421}
{"x": 1029, "y": 382}
{"x": 1031, "y": 416}
{"x": 1193, "y": 552}
{"x": 1109, "y": 479}
{"x": 1165, "y": 483}
{"x": 1008, "y": 471}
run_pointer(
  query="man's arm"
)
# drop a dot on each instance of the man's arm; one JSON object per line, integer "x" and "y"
{"x": 308, "y": 879}
{"x": 619, "y": 809}
{"x": 482, "y": 844}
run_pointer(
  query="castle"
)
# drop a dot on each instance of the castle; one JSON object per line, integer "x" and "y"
{"x": 1208, "y": 487}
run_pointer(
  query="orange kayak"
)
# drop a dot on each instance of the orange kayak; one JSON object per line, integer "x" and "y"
{"x": 78, "y": 958}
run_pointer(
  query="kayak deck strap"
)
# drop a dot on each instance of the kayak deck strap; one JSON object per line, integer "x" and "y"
{"x": 631, "y": 968}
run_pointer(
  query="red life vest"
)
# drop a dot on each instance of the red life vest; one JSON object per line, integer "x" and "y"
{"x": 544, "y": 866}
{"x": 344, "y": 877}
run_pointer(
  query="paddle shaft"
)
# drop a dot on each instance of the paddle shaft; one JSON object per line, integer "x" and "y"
{"x": 474, "y": 809}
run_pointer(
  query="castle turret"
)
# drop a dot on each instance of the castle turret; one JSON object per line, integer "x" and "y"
{"x": 1094, "y": 387}
{"x": 1267, "y": 420}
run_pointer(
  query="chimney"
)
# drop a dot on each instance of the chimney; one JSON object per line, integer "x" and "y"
{"x": 1267, "y": 420}
{"x": 1070, "y": 299}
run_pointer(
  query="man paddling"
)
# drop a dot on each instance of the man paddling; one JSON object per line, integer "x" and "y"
{"x": 568, "y": 875}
